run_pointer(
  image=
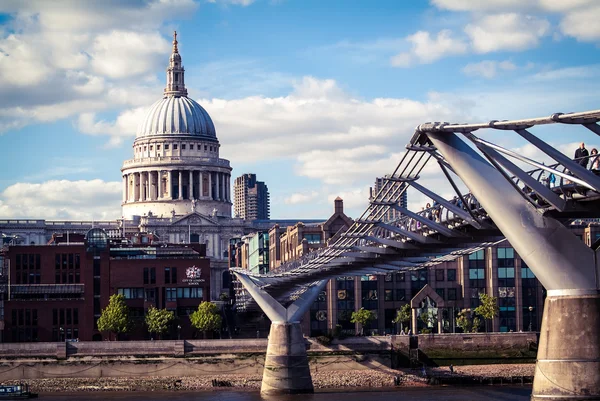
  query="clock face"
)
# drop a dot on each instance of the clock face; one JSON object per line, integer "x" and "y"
{"x": 321, "y": 315}
{"x": 341, "y": 294}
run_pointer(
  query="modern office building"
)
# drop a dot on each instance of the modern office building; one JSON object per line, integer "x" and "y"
{"x": 392, "y": 214}
{"x": 251, "y": 198}
{"x": 56, "y": 292}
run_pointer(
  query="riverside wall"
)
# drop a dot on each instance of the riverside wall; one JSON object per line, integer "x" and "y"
{"x": 20, "y": 361}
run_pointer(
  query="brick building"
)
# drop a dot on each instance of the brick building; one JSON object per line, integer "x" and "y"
{"x": 57, "y": 291}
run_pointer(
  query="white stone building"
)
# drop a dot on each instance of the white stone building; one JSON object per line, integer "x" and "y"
{"x": 175, "y": 186}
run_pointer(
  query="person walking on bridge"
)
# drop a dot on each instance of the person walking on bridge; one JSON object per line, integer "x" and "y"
{"x": 582, "y": 155}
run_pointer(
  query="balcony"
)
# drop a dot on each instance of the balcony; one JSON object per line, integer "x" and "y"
{"x": 183, "y": 160}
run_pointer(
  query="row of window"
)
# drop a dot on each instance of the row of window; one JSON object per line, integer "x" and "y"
{"x": 149, "y": 275}
{"x": 27, "y": 261}
{"x": 68, "y": 316}
{"x": 67, "y": 261}
{"x": 24, "y": 317}
{"x": 172, "y": 294}
{"x": 209, "y": 148}
{"x": 28, "y": 277}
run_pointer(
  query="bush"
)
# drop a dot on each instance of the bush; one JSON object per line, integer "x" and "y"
{"x": 324, "y": 340}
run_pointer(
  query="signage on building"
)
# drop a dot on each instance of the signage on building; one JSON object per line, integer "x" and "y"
{"x": 193, "y": 276}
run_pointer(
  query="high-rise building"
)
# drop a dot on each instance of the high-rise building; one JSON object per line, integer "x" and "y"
{"x": 392, "y": 214}
{"x": 251, "y": 198}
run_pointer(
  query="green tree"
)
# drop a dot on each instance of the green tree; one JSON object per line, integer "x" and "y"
{"x": 402, "y": 315}
{"x": 115, "y": 317}
{"x": 158, "y": 320}
{"x": 463, "y": 320}
{"x": 488, "y": 308}
{"x": 362, "y": 317}
{"x": 206, "y": 318}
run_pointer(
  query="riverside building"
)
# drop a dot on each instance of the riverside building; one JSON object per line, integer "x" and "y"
{"x": 56, "y": 292}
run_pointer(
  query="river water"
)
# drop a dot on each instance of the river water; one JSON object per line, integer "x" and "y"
{"x": 500, "y": 393}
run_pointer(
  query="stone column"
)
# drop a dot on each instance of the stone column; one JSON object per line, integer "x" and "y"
{"x": 150, "y": 183}
{"x": 169, "y": 192}
{"x": 159, "y": 187}
{"x": 125, "y": 188}
{"x": 191, "y": 185}
{"x": 414, "y": 320}
{"x": 180, "y": 184}
{"x": 201, "y": 188}
{"x": 439, "y": 320}
{"x": 210, "y": 185}
{"x": 136, "y": 184}
{"x": 228, "y": 188}
{"x": 224, "y": 193}
{"x": 218, "y": 194}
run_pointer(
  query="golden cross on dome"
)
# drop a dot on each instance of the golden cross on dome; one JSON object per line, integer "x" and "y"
{"x": 175, "y": 42}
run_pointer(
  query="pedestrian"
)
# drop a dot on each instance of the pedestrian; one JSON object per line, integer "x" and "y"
{"x": 582, "y": 155}
{"x": 451, "y": 368}
{"x": 551, "y": 180}
{"x": 595, "y": 158}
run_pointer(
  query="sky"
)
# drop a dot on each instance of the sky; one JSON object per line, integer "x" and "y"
{"x": 317, "y": 97}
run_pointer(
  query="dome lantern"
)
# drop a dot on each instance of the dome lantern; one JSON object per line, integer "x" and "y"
{"x": 175, "y": 73}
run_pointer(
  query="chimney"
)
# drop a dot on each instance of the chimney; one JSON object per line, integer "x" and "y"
{"x": 338, "y": 205}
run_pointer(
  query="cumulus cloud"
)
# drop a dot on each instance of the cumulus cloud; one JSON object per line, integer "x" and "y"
{"x": 508, "y": 31}
{"x": 427, "y": 49}
{"x": 488, "y": 68}
{"x": 56, "y": 55}
{"x": 62, "y": 199}
{"x": 242, "y": 3}
{"x": 301, "y": 197}
{"x": 123, "y": 127}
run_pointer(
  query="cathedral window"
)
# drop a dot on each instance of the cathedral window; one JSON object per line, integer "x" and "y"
{"x": 166, "y": 147}
{"x": 157, "y": 147}
{"x": 175, "y": 146}
{"x": 151, "y": 147}
{"x": 183, "y": 146}
{"x": 205, "y": 147}
{"x": 191, "y": 146}
{"x": 176, "y": 77}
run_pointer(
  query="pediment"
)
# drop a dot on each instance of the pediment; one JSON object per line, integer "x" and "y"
{"x": 194, "y": 219}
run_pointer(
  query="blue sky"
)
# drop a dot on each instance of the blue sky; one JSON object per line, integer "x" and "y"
{"x": 315, "y": 97}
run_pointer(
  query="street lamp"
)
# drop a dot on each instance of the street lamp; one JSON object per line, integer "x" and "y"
{"x": 179, "y": 332}
{"x": 530, "y": 318}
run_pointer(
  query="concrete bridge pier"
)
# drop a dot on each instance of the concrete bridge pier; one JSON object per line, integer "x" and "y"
{"x": 286, "y": 368}
{"x": 568, "y": 361}
{"x": 286, "y": 364}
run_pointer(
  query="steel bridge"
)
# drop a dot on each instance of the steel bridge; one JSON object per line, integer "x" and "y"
{"x": 511, "y": 197}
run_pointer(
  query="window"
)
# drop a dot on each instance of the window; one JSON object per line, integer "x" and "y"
{"x": 451, "y": 274}
{"x": 166, "y": 147}
{"x": 313, "y": 238}
{"x": 440, "y": 292}
{"x": 439, "y": 274}
{"x": 157, "y": 147}
{"x": 388, "y": 295}
{"x": 400, "y": 277}
{"x": 146, "y": 275}
{"x": 174, "y": 146}
{"x": 451, "y": 294}
{"x": 131, "y": 293}
{"x": 144, "y": 148}
{"x": 400, "y": 294}
{"x": 152, "y": 275}
{"x": 167, "y": 275}
{"x": 151, "y": 147}
{"x": 171, "y": 294}
{"x": 191, "y": 146}
{"x": 388, "y": 277}
{"x": 173, "y": 275}
{"x": 205, "y": 147}
{"x": 183, "y": 146}
{"x": 189, "y": 292}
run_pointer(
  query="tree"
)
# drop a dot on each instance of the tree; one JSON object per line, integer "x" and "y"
{"x": 115, "y": 317}
{"x": 206, "y": 318}
{"x": 362, "y": 317}
{"x": 402, "y": 315}
{"x": 158, "y": 320}
{"x": 463, "y": 320}
{"x": 488, "y": 308}
{"x": 429, "y": 318}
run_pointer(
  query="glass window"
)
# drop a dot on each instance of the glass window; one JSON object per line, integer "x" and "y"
{"x": 527, "y": 273}
{"x": 183, "y": 146}
{"x": 441, "y": 292}
{"x": 400, "y": 277}
{"x": 388, "y": 277}
{"x": 152, "y": 275}
{"x": 313, "y": 238}
{"x": 167, "y": 275}
{"x": 191, "y": 146}
{"x": 400, "y": 294}
{"x": 476, "y": 274}
{"x": 166, "y": 147}
{"x": 174, "y": 146}
{"x": 388, "y": 295}
{"x": 451, "y": 294}
{"x": 451, "y": 274}
{"x": 146, "y": 275}
{"x": 439, "y": 274}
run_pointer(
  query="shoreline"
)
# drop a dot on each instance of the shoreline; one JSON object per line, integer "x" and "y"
{"x": 323, "y": 380}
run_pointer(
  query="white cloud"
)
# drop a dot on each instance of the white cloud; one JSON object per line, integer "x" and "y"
{"x": 355, "y": 199}
{"x": 509, "y": 31}
{"x": 61, "y": 59}
{"x": 426, "y": 49}
{"x": 488, "y": 68}
{"x": 582, "y": 24}
{"x": 242, "y": 3}
{"x": 62, "y": 199}
{"x": 478, "y": 5}
{"x": 300, "y": 197}
{"x": 123, "y": 127}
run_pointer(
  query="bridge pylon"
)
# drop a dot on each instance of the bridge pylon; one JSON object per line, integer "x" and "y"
{"x": 568, "y": 360}
{"x": 286, "y": 369}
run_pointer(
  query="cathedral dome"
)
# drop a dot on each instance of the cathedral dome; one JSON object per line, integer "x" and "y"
{"x": 177, "y": 115}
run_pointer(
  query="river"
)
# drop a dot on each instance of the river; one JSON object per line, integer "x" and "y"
{"x": 498, "y": 393}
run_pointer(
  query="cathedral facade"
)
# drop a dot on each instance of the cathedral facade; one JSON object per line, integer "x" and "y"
{"x": 175, "y": 187}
